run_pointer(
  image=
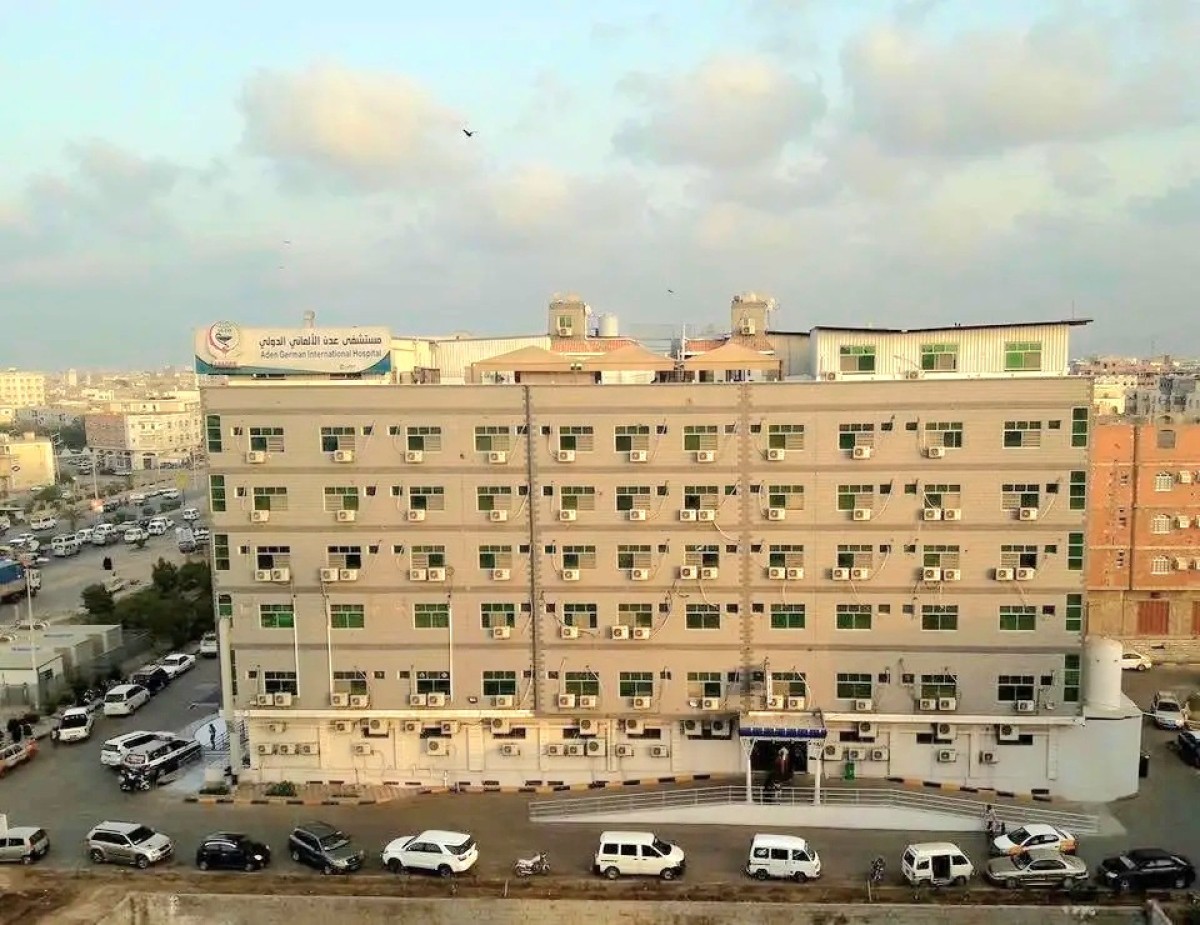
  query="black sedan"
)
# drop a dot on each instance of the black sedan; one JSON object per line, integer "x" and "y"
{"x": 1147, "y": 869}
{"x": 232, "y": 851}
{"x": 1187, "y": 744}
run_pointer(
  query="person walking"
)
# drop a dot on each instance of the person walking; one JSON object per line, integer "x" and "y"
{"x": 212, "y": 736}
{"x": 991, "y": 822}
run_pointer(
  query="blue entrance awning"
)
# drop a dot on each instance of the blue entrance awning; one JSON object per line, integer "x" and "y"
{"x": 780, "y": 732}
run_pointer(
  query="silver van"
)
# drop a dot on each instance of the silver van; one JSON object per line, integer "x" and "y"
{"x": 24, "y": 845}
{"x": 127, "y": 843}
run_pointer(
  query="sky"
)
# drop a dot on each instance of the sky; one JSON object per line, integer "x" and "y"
{"x": 892, "y": 162}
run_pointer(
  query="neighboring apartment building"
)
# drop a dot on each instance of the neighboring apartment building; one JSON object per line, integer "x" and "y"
{"x": 1175, "y": 397}
{"x": 576, "y": 582}
{"x": 26, "y": 461}
{"x": 1144, "y": 535}
{"x": 19, "y": 389}
{"x": 145, "y": 433}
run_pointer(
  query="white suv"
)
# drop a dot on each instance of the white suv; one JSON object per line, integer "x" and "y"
{"x": 442, "y": 853}
{"x": 127, "y": 843}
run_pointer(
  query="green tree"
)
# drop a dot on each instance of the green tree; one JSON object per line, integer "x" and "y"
{"x": 164, "y": 576}
{"x": 98, "y": 602}
{"x": 49, "y": 495}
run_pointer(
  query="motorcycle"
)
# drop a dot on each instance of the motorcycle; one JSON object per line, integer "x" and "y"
{"x": 527, "y": 867}
{"x": 131, "y": 781}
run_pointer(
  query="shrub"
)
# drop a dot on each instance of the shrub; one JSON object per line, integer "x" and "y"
{"x": 284, "y": 788}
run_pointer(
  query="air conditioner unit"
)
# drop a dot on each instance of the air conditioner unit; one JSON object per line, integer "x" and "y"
{"x": 1005, "y": 574}
{"x": 863, "y": 706}
{"x": 339, "y": 700}
{"x": 449, "y": 728}
{"x": 947, "y": 704}
{"x": 931, "y": 574}
{"x": 660, "y": 751}
{"x": 641, "y": 632}
{"x": 501, "y": 574}
{"x": 502, "y": 702}
{"x": 497, "y": 517}
{"x": 851, "y": 753}
{"x": 633, "y": 727}
{"x": 1008, "y": 733}
{"x": 414, "y": 456}
{"x": 706, "y": 456}
{"x": 587, "y": 701}
{"x": 951, "y": 513}
{"x": 260, "y": 517}
{"x": 256, "y": 457}
{"x": 576, "y": 749}
{"x": 1185, "y": 477}
{"x": 568, "y": 632}
{"x": 878, "y": 754}
{"x": 1025, "y": 706}
{"x": 596, "y": 748}
{"x": 987, "y": 758}
{"x": 776, "y": 703}
{"x": 777, "y": 574}
{"x": 951, "y": 574}
{"x": 1183, "y": 521}
{"x": 497, "y": 457}
{"x": 795, "y": 703}
{"x": 277, "y": 728}
{"x": 692, "y": 727}
{"x": 862, "y": 513}
{"x": 710, "y": 574}
{"x": 281, "y": 574}
{"x": 377, "y": 727}
{"x": 346, "y": 516}
{"x": 283, "y": 699}
{"x": 437, "y": 700}
{"x": 588, "y": 727}
{"x": 927, "y": 704}
{"x": 566, "y": 701}
{"x": 720, "y": 727}
{"x": 1181, "y": 564}
{"x": 689, "y": 572}
{"x": 360, "y": 701}
{"x": 1027, "y": 513}
{"x": 931, "y": 513}
{"x": 776, "y": 513}
{"x": 500, "y": 726}
{"x": 795, "y": 574}
{"x": 1026, "y": 574}
{"x": 830, "y": 377}
{"x": 307, "y": 748}
{"x": 342, "y": 725}
{"x": 437, "y": 574}
{"x": 620, "y": 632}
{"x": 639, "y": 574}
{"x": 706, "y": 516}
{"x": 860, "y": 574}
{"x": 363, "y": 748}
{"x": 565, "y": 456}
{"x": 570, "y": 574}
{"x": 943, "y": 732}
{"x": 710, "y": 703}
{"x": 510, "y": 750}
{"x": 328, "y": 574}
{"x": 265, "y": 748}
{"x": 435, "y": 746}
{"x": 556, "y": 750}
{"x": 747, "y": 327}
{"x": 624, "y": 751}
{"x": 501, "y": 632}
{"x": 776, "y": 455}
{"x": 418, "y": 574}
{"x": 417, "y": 700}
{"x": 637, "y": 514}
{"x": 947, "y": 756}
{"x": 416, "y": 515}
{"x": 264, "y": 700}
{"x": 343, "y": 456}
{"x": 832, "y": 752}
{"x": 687, "y": 514}
{"x": 841, "y": 574}
{"x": 912, "y": 374}
{"x": 348, "y": 574}
{"x": 568, "y": 516}
{"x": 862, "y": 452}
{"x": 638, "y": 456}
{"x": 262, "y": 574}
{"x": 642, "y": 703}
{"x": 935, "y": 452}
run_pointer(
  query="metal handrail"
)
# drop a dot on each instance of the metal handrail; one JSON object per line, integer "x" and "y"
{"x": 1009, "y": 814}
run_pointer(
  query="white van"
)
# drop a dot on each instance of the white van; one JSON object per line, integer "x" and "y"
{"x": 64, "y": 546}
{"x": 937, "y": 864}
{"x": 125, "y": 699}
{"x": 784, "y": 857}
{"x": 641, "y": 854}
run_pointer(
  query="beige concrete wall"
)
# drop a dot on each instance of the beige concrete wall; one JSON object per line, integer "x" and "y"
{"x": 26, "y": 462}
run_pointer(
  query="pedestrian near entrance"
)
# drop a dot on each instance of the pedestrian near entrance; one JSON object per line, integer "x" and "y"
{"x": 212, "y": 736}
{"x": 107, "y": 564}
{"x": 991, "y": 822}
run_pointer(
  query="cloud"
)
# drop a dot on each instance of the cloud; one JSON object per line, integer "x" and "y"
{"x": 358, "y": 130}
{"x": 728, "y": 114}
{"x": 1077, "y": 171}
{"x": 1180, "y": 205}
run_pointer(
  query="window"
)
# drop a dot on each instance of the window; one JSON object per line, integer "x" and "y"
{"x": 703, "y": 684}
{"x": 1074, "y": 618}
{"x": 426, "y": 557}
{"x": 423, "y": 438}
{"x": 1160, "y": 524}
{"x": 852, "y": 497}
{"x": 1072, "y": 678}
{"x": 493, "y": 498}
{"x": 341, "y": 498}
{"x": 1022, "y": 434}
{"x": 853, "y": 686}
{"x": 856, "y": 358}
{"x": 427, "y": 498}
{"x": 635, "y": 615}
{"x": 431, "y": 616}
{"x": 212, "y": 433}
{"x": 935, "y": 686}
{"x": 276, "y": 616}
{"x": 785, "y": 497}
{"x": 433, "y": 682}
{"x": 216, "y": 493}
{"x": 339, "y": 557}
{"x": 940, "y": 555}
{"x": 499, "y": 683}
{"x": 1075, "y": 546}
{"x": 701, "y": 497}
{"x": 941, "y": 618}
{"x": 581, "y": 684}
{"x": 1080, "y": 418}
{"x": 584, "y": 616}
{"x": 337, "y": 438}
{"x": 577, "y": 437}
{"x": 785, "y": 555}
{"x": 855, "y": 555}
{"x": 272, "y": 557}
{"x": 787, "y": 616}
{"x": 939, "y": 358}
{"x": 702, "y": 556}
{"x": 788, "y": 684}
{"x": 221, "y": 552}
{"x": 1164, "y": 481}
{"x": 636, "y": 684}
{"x": 947, "y": 434}
{"x": 271, "y": 498}
{"x": 266, "y": 439}
{"x": 630, "y": 557}
{"x": 491, "y": 557}
{"x": 785, "y": 436}
{"x": 1014, "y": 556}
{"x": 577, "y": 498}
{"x": 280, "y": 682}
{"x": 698, "y": 437}
{"x": 347, "y": 616}
{"x": 496, "y": 614}
{"x": 579, "y": 557}
{"x": 225, "y": 606}
{"x": 493, "y": 439}
{"x": 852, "y": 435}
{"x": 943, "y": 495}
{"x": 1022, "y": 356}
{"x": 1160, "y": 565}
{"x": 1018, "y": 618}
{"x": 1015, "y": 495}
{"x": 633, "y": 497}
{"x": 1012, "y": 687}
{"x": 703, "y": 617}
{"x": 853, "y": 617}
{"x": 1153, "y": 617}
{"x": 350, "y": 682}
{"x": 630, "y": 437}
{"x": 1077, "y": 496}
{"x": 1166, "y": 439}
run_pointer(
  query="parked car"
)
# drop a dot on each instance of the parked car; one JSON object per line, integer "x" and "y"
{"x": 16, "y": 753}
{"x": 152, "y": 677}
{"x": 232, "y": 851}
{"x": 209, "y": 646}
{"x": 76, "y": 724}
{"x": 137, "y": 497}
{"x": 84, "y": 535}
{"x": 435, "y": 851}
{"x": 177, "y": 663}
{"x": 42, "y": 522}
{"x": 1168, "y": 711}
{"x": 1035, "y": 835}
{"x": 1146, "y": 869}
{"x": 156, "y": 527}
{"x": 169, "y": 494}
{"x": 125, "y": 699}
{"x": 1187, "y": 744}
{"x": 936, "y": 864}
{"x": 783, "y": 857}
{"x": 135, "y": 535}
{"x": 320, "y": 845}
{"x": 1132, "y": 660}
{"x": 127, "y": 843}
{"x": 162, "y": 760}
{"x": 638, "y": 853}
{"x": 1038, "y": 867}
{"x": 189, "y": 514}
{"x": 113, "y": 752}
{"x": 23, "y": 844}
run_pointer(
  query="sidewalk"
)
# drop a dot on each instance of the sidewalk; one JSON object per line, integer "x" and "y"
{"x": 308, "y": 795}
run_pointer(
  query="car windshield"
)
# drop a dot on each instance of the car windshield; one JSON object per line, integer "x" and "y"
{"x": 1126, "y": 862}
{"x": 661, "y": 846}
{"x": 74, "y": 720}
{"x": 334, "y": 841}
{"x": 464, "y": 847}
{"x": 1021, "y": 861}
{"x": 1019, "y": 836}
{"x": 1168, "y": 706}
{"x": 115, "y": 697}
{"x": 141, "y": 834}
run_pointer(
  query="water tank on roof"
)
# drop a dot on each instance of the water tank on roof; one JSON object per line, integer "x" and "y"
{"x": 1102, "y": 672}
{"x": 609, "y": 326}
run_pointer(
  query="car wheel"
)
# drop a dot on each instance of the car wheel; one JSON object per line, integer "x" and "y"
{"x": 395, "y": 866}
{"x": 251, "y": 866}
{"x": 28, "y": 859}
{"x": 959, "y": 881}
{"x": 96, "y": 855}
{"x": 1123, "y": 885}
{"x": 800, "y": 876}
{"x": 142, "y": 862}
{"x": 327, "y": 870}
{"x": 444, "y": 871}
{"x": 612, "y": 873}
{"x": 295, "y": 855}
{"x": 1180, "y": 883}
{"x": 202, "y": 864}
{"x": 760, "y": 874}
{"x": 668, "y": 873}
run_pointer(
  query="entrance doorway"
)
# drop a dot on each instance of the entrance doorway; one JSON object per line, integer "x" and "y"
{"x": 779, "y": 760}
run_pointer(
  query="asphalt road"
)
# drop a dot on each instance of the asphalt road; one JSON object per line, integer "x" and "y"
{"x": 66, "y": 790}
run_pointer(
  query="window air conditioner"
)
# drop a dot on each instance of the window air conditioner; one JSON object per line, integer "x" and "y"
{"x": 496, "y": 457}
{"x": 437, "y": 574}
{"x": 862, "y": 452}
{"x": 565, "y": 456}
{"x": 777, "y": 574}
{"x": 568, "y": 632}
{"x": 776, "y": 455}
{"x": 931, "y": 513}
{"x": 641, "y": 632}
{"x": 256, "y": 457}
{"x": 567, "y": 516}
{"x": 642, "y": 703}
{"x": 343, "y": 456}
{"x": 328, "y": 575}
{"x": 639, "y": 574}
{"x": 346, "y": 516}
{"x": 951, "y": 574}
{"x": 1005, "y": 574}
{"x": 689, "y": 572}
{"x": 687, "y": 514}
{"x": 952, "y": 513}
{"x": 570, "y": 574}
{"x": 620, "y": 632}
{"x": 497, "y": 517}
{"x": 638, "y": 456}
{"x": 501, "y": 632}
{"x": 339, "y": 700}
{"x": 414, "y": 456}
{"x": 637, "y": 514}
{"x": 501, "y": 574}
{"x": 776, "y": 513}
{"x": 931, "y": 574}
{"x": 706, "y": 456}
{"x": 935, "y": 452}
{"x": 1027, "y": 513}
{"x": 841, "y": 574}
{"x": 862, "y": 514}
{"x": 260, "y": 517}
